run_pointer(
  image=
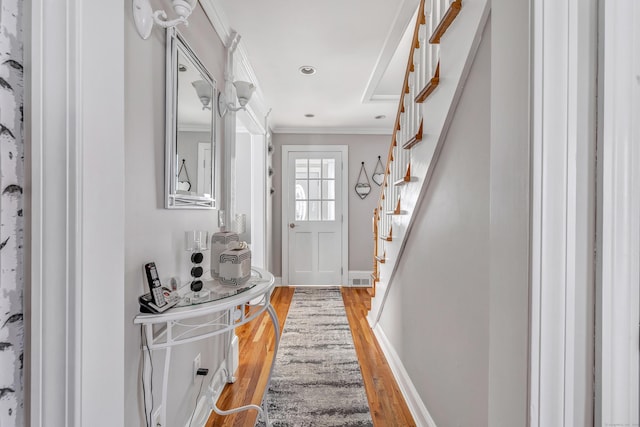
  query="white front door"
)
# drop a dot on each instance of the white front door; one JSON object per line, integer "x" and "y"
{"x": 313, "y": 216}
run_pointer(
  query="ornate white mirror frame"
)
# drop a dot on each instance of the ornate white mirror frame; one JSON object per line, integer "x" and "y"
{"x": 190, "y": 128}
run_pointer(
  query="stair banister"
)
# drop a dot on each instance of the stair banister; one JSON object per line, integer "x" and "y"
{"x": 421, "y": 79}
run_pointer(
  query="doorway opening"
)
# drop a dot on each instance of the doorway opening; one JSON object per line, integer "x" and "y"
{"x": 250, "y": 213}
{"x": 314, "y": 207}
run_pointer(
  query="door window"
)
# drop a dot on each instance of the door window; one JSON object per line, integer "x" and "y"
{"x": 315, "y": 190}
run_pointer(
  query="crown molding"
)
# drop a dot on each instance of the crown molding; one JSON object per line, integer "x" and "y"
{"x": 244, "y": 67}
{"x": 220, "y": 24}
{"x": 218, "y": 19}
{"x": 402, "y": 19}
{"x": 332, "y": 131}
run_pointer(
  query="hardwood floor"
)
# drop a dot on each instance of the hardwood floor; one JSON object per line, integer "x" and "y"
{"x": 256, "y": 343}
{"x": 256, "y": 352}
{"x": 386, "y": 402}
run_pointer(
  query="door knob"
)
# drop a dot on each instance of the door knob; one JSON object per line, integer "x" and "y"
{"x": 292, "y": 225}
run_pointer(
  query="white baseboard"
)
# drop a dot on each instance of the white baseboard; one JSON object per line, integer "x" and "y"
{"x": 418, "y": 410}
{"x": 355, "y": 278}
{"x": 371, "y": 321}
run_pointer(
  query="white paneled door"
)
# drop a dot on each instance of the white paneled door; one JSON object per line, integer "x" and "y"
{"x": 313, "y": 215}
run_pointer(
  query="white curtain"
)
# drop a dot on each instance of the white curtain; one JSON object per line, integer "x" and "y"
{"x": 11, "y": 214}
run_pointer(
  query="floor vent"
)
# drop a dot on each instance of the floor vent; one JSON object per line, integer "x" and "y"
{"x": 360, "y": 278}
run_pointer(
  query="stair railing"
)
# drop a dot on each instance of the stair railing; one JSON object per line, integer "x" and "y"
{"x": 421, "y": 78}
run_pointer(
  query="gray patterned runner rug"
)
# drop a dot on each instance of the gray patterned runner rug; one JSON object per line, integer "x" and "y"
{"x": 317, "y": 379}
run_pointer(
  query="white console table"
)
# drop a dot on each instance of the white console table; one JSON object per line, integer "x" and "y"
{"x": 188, "y": 323}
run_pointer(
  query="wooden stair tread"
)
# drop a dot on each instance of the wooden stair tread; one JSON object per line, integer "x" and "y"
{"x": 405, "y": 181}
{"x": 406, "y": 178}
{"x": 415, "y": 139}
{"x": 448, "y": 18}
{"x": 430, "y": 87}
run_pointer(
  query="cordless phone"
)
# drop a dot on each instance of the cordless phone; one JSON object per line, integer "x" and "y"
{"x": 154, "y": 284}
{"x": 160, "y": 299}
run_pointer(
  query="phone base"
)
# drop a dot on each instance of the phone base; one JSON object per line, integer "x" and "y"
{"x": 147, "y": 305}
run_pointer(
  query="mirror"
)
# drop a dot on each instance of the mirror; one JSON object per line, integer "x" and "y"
{"x": 190, "y": 142}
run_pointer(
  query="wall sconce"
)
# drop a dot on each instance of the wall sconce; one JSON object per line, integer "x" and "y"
{"x": 203, "y": 89}
{"x": 244, "y": 90}
{"x": 144, "y": 16}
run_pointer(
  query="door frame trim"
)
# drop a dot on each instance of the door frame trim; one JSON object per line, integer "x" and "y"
{"x": 344, "y": 151}
{"x": 618, "y": 263}
{"x": 71, "y": 324}
{"x": 563, "y": 212}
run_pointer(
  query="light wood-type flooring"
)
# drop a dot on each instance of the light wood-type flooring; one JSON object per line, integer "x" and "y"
{"x": 256, "y": 351}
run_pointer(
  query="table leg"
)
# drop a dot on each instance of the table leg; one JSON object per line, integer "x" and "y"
{"x": 231, "y": 378}
{"x": 148, "y": 380}
{"x": 236, "y": 410}
{"x": 146, "y": 373}
{"x": 229, "y": 362}
{"x": 165, "y": 384}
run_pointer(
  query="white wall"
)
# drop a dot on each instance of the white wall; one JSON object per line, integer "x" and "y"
{"x": 510, "y": 207}
{"x": 269, "y": 232}
{"x": 362, "y": 148}
{"x": 258, "y": 202}
{"x": 436, "y": 315}
{"x": 244, "y": 174}
{"x": 189, "y": 142}
{"x": 153, "y": 233}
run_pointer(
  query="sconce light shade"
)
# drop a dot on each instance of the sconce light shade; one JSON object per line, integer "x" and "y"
{"x": 244, "y": 91}
{"x": 203, "y": 89}
{"x": 144, "y": 16}
{"x": 183, "y": 8}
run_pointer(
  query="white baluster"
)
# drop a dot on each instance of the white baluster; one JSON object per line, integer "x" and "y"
{"x": 422, "y": 57}
{"x": 428, "y": 8}
{"x": 438, "y": 12}
{"x": 409, "y": 109}
{"x": 416, "y": 107}
{"x": 397, "y": 166}
{"x": 399, "y": 133}
{"x": 409, "y": 115}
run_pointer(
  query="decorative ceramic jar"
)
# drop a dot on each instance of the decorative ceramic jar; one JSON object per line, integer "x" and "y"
{"x": 235, "y": 265}
{"x": 220, "y": 243}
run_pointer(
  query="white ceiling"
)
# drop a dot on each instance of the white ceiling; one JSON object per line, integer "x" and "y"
{"x": 357, "y": 47}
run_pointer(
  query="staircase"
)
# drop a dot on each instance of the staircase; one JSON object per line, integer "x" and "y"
{"x": 445, "y": 40}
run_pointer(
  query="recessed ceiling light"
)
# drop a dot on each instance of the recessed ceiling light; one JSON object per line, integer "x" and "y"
{"x": 307, "y": 70}
{"x": 381, "y": 116}
{"x": 309, "y": 115}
